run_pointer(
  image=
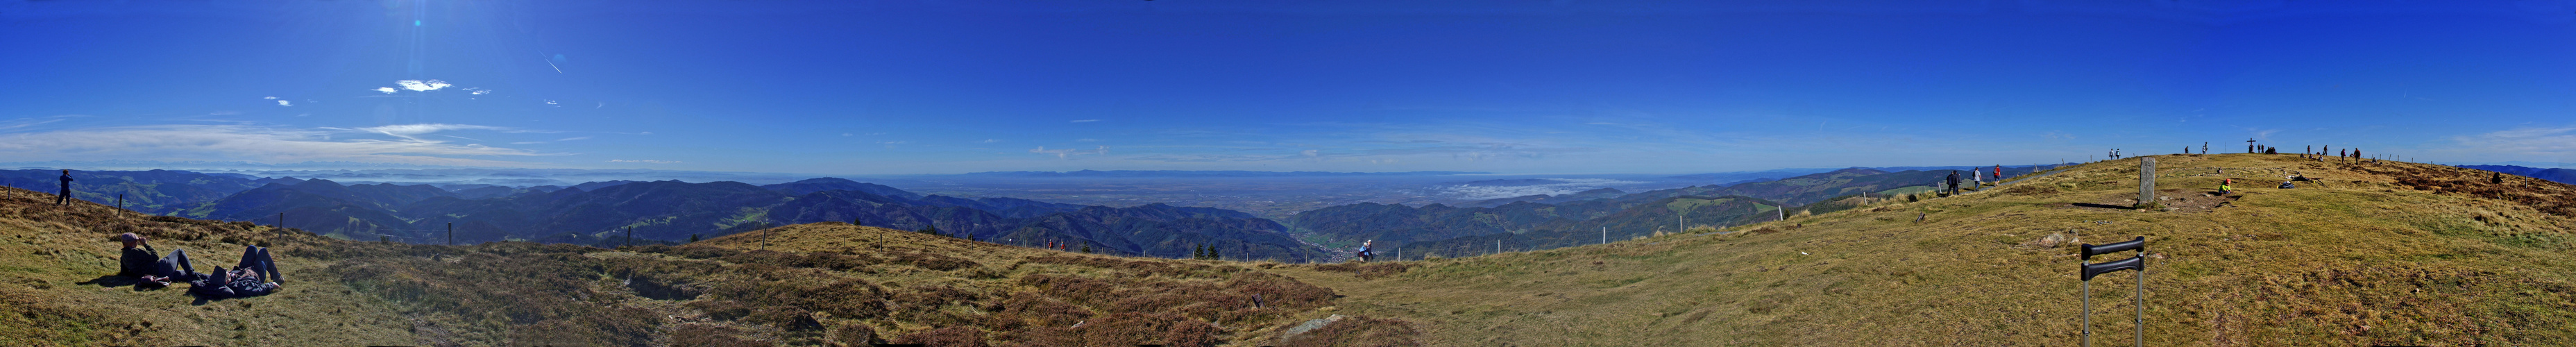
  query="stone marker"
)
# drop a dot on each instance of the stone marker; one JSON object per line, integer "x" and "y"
{"x": 2146, "y": 181}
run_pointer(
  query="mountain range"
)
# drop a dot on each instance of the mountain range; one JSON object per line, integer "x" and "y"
{"x": 656, "y": 212}
{"x": 2560, "y": 175}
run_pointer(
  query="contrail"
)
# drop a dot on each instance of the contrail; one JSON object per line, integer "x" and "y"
{"x": 551, "y": 63}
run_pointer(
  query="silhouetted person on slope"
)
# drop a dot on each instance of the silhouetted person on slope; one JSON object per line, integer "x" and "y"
{"x": 66, "y": 197}
{"x": 1954, "y": 182}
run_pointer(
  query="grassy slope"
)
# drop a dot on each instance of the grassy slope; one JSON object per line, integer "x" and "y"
{"x": 52, "y": 261}
{"x": 2356, "y": 260}
{"x": 817, "y": 284}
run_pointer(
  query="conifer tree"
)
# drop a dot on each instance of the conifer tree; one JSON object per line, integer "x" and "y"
{"x": 1086, "y": 249}
{"x": 693, "y": 238}
{"x": 1198, "y": 252}
{"x": 1212, "y": 255}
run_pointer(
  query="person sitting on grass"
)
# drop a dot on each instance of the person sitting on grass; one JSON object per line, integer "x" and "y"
{"x": 138, "y": 257}
{"x": 2224, "y": 188}
{"x": 156, "y": 271}
{"x": 1364, "y": 250}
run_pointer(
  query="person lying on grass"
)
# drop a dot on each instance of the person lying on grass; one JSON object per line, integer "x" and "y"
{"x": 240, "y": 282}
{"x": 256, "y": 274}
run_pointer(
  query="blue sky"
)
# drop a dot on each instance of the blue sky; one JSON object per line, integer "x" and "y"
{"x": 1521, "y": 87}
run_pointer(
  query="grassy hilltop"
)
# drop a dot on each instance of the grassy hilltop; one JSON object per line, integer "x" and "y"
{"x": 2385, "y": 253}
{"x": 811, "y": 284}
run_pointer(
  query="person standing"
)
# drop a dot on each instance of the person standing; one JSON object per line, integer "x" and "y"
{"x": 1954, "y": 182}
{"x": 1999, "y": 174}
{"x": 66, "y": 197}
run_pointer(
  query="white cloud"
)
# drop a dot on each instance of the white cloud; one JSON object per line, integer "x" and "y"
{"x": 991, "y": 140}
{"x": 241, "y": 143}
{"x": 551, "y": 102}
{"x": 386, "y": 90}
{"x": 284, "y": 103}
{"x": 647, "y": 161}
{"x": 1308, "y": 153}
{"x": 478, "y": 91}
{"x": 411, "y": 131}
{"x": 1085, "y": 120}
{"x": 422, "y": 86}
{"x": 271, "y": 98}
{"x": 1069, "y": 153}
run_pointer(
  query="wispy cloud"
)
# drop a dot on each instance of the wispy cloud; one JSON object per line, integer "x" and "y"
{"x": 1069, "y": 153}
{"x": 386, "y": 90}
{"x": 2532, "y": 141}
{"x": 245, "y": 143}
{"x": 422, "y": 86}
{"x": 412, "y": 131}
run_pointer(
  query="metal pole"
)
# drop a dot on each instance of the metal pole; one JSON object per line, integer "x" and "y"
{"x": 2088, "y": 312}
{"x": 2141, "y": 298}
{"x": 1605, "y": 235}
{"x": 281, "y": 221}
{"x": 120, "y": 201}
{"x": 451, "y": 233}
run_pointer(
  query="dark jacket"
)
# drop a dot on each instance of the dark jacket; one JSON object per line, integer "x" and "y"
{"x": 137, "y": 261}
{"x": 230, "y": 284}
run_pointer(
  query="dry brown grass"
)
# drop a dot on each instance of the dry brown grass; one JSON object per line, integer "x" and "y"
{"x": 2361, "y": 259}
{"x": 816, "y": 284}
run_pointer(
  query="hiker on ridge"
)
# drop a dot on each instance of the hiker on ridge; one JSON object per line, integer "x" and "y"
{"x": 1999, "y": 174}
{"x": 1364, "y": 250}
{"x": 66, "y": 197}
{"x": 1954, "y": 182}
